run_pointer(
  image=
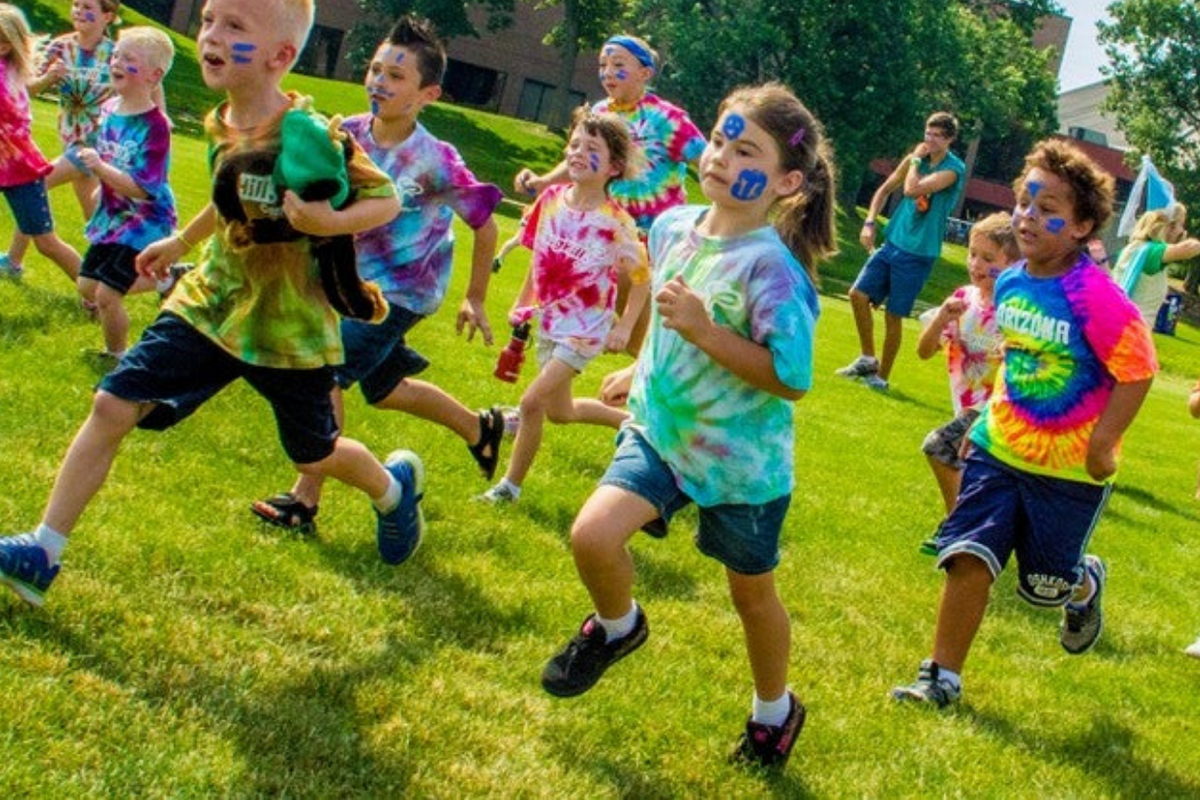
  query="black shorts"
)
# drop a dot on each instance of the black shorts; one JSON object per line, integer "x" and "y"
{"x": 110, "y": 264}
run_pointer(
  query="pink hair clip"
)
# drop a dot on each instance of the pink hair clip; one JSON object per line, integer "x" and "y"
{"x": 797, "y": 137}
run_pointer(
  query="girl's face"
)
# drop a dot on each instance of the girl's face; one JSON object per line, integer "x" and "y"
{"x": 1044, "y": 218}
{"x": 985, "y": 260}
{"x": 623, "y": 77}
{"x": 740, "y": 167}
{"x": 88, "y": 17}
{"x": 589, "y": 162}
{"x": 1175, "y": 231}
{"x": 393, "y": 84}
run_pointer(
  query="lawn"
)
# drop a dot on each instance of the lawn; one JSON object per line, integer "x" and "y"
{"x": 187, "y": 651}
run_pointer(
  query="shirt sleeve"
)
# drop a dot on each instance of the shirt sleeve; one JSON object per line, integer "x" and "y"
{"x": 366, "y": 179}
{"x": 687, "y": 142}
{"x": 783, "y": 316}
{"x": 470, "y": 199}
{"x": 150, "y": 170}
{"x": 1114, "y": 329}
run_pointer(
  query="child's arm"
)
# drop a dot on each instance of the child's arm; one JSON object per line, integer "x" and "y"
{"x": 120, "y": 182}
{"x": 529, "y": 182}
{"x": 1181, "y": 251}
{"x": 157, "y": 258}
{"x": 916, "y": 184}
{"x": 867, "y": 236}
{"x": 614, "y": 387}
{"x": 1193, "y": 402}
{"x": 471, "y": 314}
{"x": 682, "y": 310}
{"x": 319, "y": 218}
{"x": 618, "y": 337}
{"x": 525, "y": 297}
{"x": 1123, "y": 405}
{"x": 930, "y": 342}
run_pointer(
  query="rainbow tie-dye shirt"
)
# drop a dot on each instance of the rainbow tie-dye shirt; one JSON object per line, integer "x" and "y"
{"x": 973, "y": 349}
{"x": 410, "y": 257}
{"x": 140, "y": 146}
{"x": 668, "y": 140}
{"x": 1068, "y": 340}
{"x": 574, "y": 268}
{"x": 725, "y": 440}
{"x": 83, "y": 89}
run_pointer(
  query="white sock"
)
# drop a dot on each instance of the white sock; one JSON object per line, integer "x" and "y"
{"x": 51, "y": 541}
{"x": 391, "y": 496}
{"x": 621, "y": 626}
{"x": 512, "y": 488}
{"x": 952, "y": 678}
{"x": 771, "y": 712}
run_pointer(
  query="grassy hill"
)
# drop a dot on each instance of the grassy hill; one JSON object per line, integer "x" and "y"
{"x": 185, "y": 651}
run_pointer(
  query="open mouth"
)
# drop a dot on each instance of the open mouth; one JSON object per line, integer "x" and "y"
{"x": 213, "y": 61}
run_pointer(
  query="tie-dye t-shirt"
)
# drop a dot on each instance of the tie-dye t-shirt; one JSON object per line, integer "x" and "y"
{"x": 668, "y": 140}
{"x": 725, "y": 440}
{"x": 83, "y": 89}
{"x": 410, "y": 257}
{"x": 20, "y": 160}
{"x": 1068, "y": 340}
{"x": 973, "y": 349}
{"x": 140, "y": 146}
{"x": 256, "y": 291}
{"x": 574, "y": 267}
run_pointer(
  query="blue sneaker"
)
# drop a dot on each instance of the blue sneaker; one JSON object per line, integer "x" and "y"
{"x": 399, "y": 531}
{"x": 25, "y": 567}
{"x": 10, "y": 269}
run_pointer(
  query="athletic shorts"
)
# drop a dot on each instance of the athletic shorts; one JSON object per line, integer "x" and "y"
{"x": 893, "y": 275}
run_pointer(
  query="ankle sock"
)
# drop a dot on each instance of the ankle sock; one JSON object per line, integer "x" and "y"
{"x": 512, "y": 488}
{"x": 620, "y": 627}
{"x": 391, "y": 496}
{"x": 51, "y": 541}
{"x": 950, "y": 677}
{"x": 771, "y": 712}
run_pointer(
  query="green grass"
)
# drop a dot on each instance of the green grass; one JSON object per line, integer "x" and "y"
{"x": 186, "y": 651}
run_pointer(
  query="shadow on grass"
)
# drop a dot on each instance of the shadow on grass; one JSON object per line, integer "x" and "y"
{"x": 1145, "y": 498}
{"x": 1103, "y": 749}
{"x": 51, "y": 310}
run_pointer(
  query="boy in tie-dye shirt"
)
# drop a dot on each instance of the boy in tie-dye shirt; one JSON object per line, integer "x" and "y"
{"x": 1078, "y": 362}
{"x": 130, "y": 159}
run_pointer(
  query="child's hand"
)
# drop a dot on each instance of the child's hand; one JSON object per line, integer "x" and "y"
{"x": 1101, "y": 458}
{"x": 920, "y": 151}
{"x": 472, "y": 316}
{"x": 527, "y": 182}
{"x": 156, "y": 259}
{"x": 953, "y": 308}
{"x": 90, "y": 158}
{"x": 617, "y": 340}
{"x": 57, "y": 69}
{"x": 682, "y": 309}
{"x": 316, "y": 217}
{"x": 614, "y": 388}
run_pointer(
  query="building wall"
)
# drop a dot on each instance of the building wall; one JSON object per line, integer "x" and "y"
{"x": 1080, "y": 108}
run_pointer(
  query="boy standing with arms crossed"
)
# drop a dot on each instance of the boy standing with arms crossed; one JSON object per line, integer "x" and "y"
{"x": 1078, "y": 362}
{"x": 254, "y": 308}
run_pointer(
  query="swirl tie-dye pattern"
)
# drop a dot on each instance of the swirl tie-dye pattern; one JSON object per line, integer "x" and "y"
{"x": 1068, "y": 341}
{"x": 973, "y": 350}
{"x": 667, "y": 139}
{"x": 20, "y": 160}
{"x": 725, "y": 440}
{"x": 140, "y": 146}
{"x": 410, "y": 257}
{"x": 83, "y": 89}
{"x": 574, "y": 268}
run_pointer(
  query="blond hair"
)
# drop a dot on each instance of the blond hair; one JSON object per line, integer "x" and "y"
{"x": 1152, "y": 226}
{"x": 14, "y": 29}
{"x": 154, "y": 46}
{"x": 295, "y": 23}
{"x": 997, "y": 228}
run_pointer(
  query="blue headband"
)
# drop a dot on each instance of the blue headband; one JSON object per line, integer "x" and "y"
{"x": 639, "y": 51}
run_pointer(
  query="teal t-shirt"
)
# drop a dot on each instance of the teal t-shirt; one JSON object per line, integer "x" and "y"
{"x": 920, "y": 233}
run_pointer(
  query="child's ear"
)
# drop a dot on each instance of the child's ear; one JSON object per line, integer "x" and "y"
{"x": 790, "y": 183}
{"x": 430, "y": 93}
{"x": 285, "y": 54}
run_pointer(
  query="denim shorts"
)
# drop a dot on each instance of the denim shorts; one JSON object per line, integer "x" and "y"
{"x": 548, "y": 349}
{"x": 745, "y": 538}
{"x": 177, "y": 368}
{"x": 110, "y": 264}
{"x": 377, "y": 357}
{"x": 894, "y": 275}
{"x": 945, "y": 443}
{"x": 30, "y": 207}
{"x": 1046, "y": 521}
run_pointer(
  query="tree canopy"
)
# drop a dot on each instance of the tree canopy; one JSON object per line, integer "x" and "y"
{"x": 452, "y": 18}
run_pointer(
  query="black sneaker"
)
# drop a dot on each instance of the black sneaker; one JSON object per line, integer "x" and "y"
{"x": 1081, "y": 627}
{"x": 770, "y": 745}
{"x": 580, "y": 664}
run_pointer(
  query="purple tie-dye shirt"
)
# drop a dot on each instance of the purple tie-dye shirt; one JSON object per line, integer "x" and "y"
{"x": 410, "y": 257}
{"x": 1068, "y": 340}
{"x": 140, "y": 146}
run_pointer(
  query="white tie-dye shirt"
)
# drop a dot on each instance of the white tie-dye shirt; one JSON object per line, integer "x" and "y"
{"x": 725, "y": 440}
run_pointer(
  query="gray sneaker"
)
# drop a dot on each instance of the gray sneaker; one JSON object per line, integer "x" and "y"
{"x": 497, "y": 495}
{"x": 1082, "y": 626}
{"x": 875, "y": 382}
{"x": 860, "y": 367}
{"x": 929, "y": 687}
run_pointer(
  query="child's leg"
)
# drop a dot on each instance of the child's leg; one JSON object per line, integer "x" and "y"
{"x": 608, "y": 520}
{"x": 86, "y": 193}
{"x": 432, "y": 403}
{"x": 964, "y": 601}
{"x": 353, "y": 464}
{"x": 948, "y": 479}
{"x": 767, "y": 630}
{"x": 17, "y": 249}
{"x": 893, "y": 331}
{"x": 58, "y": 251}
{"x": 114, "y": 319}
{"x": 549, "y": 392}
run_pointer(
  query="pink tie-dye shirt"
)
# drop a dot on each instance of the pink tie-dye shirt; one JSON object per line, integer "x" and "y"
{"x": 20, "y": 160}
{"x": 973, "y": 350}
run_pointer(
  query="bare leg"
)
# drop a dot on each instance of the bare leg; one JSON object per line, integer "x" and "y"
{"x": 58, "y": 251}
{"x": 17, "y": 248}
{"x": 551, "y": 389}
{"x": 114, "y": 319}
{"x": 432, "y": 403}
{"x": 893, "y": 330}
{"x": 949, "y": 480}
{"x": 608, "y": 519}
{"x": 864, "y": 321}
{"x": 353, "y": 464}
{"x": 964, "y": 601}
{"x": 767, "y": 630}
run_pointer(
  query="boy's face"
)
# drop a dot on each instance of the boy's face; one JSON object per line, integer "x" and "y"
{"x": 985, "y": 260}
{"x": 589, "y": 162}
{"x": 239, "y": 41}
{"x": 87, "y": 16}
{"x": 740, "y": 167}
{"x": 623, "y": 77}
{"x": 394, "y": 84}
{"x": 1044, "y": 218}
{"x": 131, "y": 70}
{"x": 937, "y": 141}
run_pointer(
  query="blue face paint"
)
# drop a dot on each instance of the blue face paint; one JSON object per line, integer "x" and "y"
{"x": 749, "y": 185}
{"x": 399, "y": 57}
{"x": 241, "y": 52}
{"x": 1055, "y": 224}
{"x": 1034, "y": 187}
{"x": 132, "y": 70}
{"x": 994, "y": 272}
{"x": 594, "y": 161}
{"x": 733, "y": 127}
{"x": 88, "y": 16}
{"x": 609, "y": 50}
{"x": 374, "y": 108}
{"x": 622, "y": 74}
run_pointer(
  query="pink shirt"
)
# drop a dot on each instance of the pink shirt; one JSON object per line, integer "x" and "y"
{"x": 20, "y": 160}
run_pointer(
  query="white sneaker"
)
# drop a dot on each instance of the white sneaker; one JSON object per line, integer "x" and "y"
{"x": 860, "y": 367}
{"x": 497, "y": 495}
{"x": 875, "y": 382}
{"x": 1193, "y": 649}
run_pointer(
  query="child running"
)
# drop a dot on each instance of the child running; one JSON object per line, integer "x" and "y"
{"x": 730, "y": 348}
{"x": 1078, "y": 362}
{"x": 131, "y": 160}
{"x": 76, "y": 64}
{"x": 965, "y": 324}
{"x": 23, "y": 168}
{"x": 664, "y": 136}
{"x": 581, "y": 241}
{"x": 255, "y": 308}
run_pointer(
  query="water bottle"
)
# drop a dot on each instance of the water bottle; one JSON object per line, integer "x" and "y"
{"x": 508, "y": 366}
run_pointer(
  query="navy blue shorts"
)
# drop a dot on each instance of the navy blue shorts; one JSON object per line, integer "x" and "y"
{"x": 896, "y": 276}
{"x": 177, "y": 368}
{"x": 1046, "y": 521}
{"x": 377, "y": 357}
{"x": 745, "y": 538}
{"x": 110, "y": 264}
{"x": 30, "y": 207}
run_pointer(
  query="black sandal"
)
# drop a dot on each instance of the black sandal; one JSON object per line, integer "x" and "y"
{"x": 286, "y": 511}
{"x": 486, "y": 451}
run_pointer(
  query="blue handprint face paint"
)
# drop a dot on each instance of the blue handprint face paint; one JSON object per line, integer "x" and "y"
{"x": 749, "y": 185}
{"x": 242, "y": 52}
{"x": 1055, "y": 224}
{"x": 733, "y": 127}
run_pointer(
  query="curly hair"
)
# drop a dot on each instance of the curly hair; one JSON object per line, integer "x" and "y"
{"x": 1092, "y": 189}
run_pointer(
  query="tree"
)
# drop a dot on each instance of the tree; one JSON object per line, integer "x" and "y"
{"x": 586, "y": 24}
{"x": 452, "y": 18}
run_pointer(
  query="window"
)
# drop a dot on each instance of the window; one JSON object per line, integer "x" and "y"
{"x": 471, "y": 85}
{"x": 320, "y": 56}
{"x": 536, "y": 98}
